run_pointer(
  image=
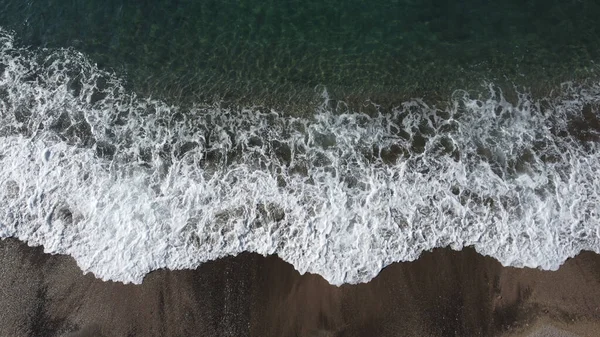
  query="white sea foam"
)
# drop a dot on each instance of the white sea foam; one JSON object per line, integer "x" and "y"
{"x": 127, "y": 184}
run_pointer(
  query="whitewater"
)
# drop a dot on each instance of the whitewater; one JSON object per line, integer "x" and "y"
{"x": 127, "y": 184}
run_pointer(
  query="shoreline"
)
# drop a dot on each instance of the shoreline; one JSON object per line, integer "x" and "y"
{"x": 442, "y": 293}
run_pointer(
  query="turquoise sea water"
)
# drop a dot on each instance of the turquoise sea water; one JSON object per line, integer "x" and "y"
{"x": 390, "y": 49}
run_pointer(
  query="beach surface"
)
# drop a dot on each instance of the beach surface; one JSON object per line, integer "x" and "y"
{"x": 443, "y": 293}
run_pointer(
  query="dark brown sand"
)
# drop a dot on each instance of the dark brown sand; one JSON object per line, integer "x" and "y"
{"x": 444, "y": 293}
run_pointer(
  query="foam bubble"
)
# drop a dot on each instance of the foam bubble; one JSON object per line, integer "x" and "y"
{"x": 129, "y": 184}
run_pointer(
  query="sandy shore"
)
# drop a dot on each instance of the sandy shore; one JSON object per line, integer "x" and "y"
{"x": 444, "y": 293}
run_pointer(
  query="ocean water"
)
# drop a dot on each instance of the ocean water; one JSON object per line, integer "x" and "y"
{"x": 132, "y": 153}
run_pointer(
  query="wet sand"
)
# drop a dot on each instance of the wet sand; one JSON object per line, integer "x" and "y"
{"x": 443, "y": 293}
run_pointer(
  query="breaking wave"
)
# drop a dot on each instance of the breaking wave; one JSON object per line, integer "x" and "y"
{"x": 129, "y": 184}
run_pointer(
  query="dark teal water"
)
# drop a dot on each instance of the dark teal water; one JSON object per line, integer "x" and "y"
{"x": 257, "y": 48}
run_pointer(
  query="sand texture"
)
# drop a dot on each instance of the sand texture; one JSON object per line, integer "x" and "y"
{"x": 443, "y": 293}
